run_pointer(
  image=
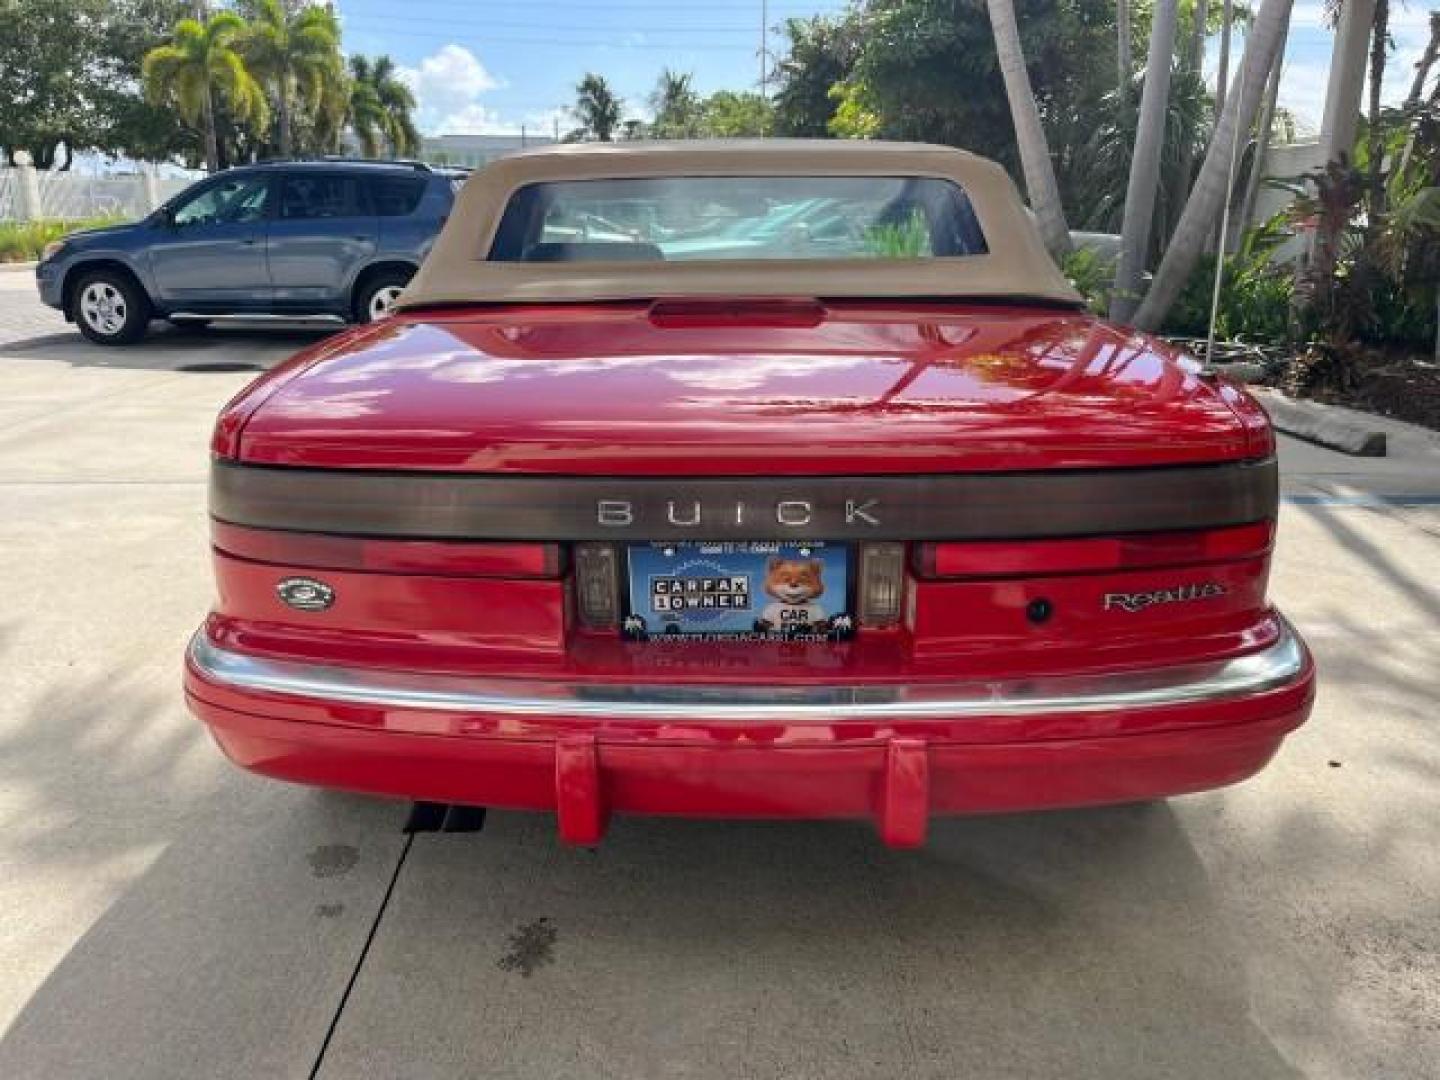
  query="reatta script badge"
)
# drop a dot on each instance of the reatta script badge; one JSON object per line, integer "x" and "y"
{"x": 1139, "y": 601}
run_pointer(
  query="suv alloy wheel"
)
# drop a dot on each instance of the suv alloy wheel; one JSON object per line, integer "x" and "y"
{"x": 379, "y": 294}
{"x": 109, "y": 308}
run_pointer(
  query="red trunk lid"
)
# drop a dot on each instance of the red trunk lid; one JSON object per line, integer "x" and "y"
{"x": 860, "y": 388}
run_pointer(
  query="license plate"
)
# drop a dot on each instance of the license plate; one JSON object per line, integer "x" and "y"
{"x": 737, "y": 590}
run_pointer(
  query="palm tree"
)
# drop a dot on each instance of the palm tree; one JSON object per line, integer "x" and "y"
{"x": 1212, "y": 186}
{"x": 297, "y": 53}
{"x": 676, "y": 107}
{"x": 1029, "y": 135}
{"x": 399, "y": 103}
{"x": 1145, "y": 162}
{"x": 200, "y": 62}
{"x": 365, "y": 114}
{"x": 597, "y": 108}
{"x": 381, "y": 108}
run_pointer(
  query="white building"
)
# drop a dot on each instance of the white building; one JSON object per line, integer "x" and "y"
{"x": 474, "y": 151}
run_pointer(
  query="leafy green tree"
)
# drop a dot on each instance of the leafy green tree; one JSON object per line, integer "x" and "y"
{"x": 130, "y": 124}
{"x": 598, "y": 109}
{"x": 727, "y": 114}
{"x": 200, "y": 65}
{"x": 821, "y": 57}
{"x": 296, "y": 54}
{"x": 855, "y": 117}
{"x": 929, "y": 70}
{"x": 676, "y": 107}
{"x": 48, "y": 54}
{"x": 70, "y": 79}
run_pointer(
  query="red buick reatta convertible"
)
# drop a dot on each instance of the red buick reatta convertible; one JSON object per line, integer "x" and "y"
{"x": 772, "y": 479}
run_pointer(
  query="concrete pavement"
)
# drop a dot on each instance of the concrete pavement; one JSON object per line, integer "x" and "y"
{"x": 163, "y": 915}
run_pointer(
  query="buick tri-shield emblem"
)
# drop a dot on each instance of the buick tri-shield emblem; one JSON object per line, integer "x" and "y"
{"x": 305, "y": 594}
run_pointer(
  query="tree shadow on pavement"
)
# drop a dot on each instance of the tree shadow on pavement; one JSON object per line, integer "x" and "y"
{"x": 224, "y": 913}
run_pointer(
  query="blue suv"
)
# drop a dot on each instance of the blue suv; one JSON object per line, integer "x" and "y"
{"x": 331, "y": 240}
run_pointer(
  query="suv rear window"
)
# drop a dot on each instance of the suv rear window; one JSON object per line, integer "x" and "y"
{"x": 731, "y": 218}
{"x": 319, "y": 196}
{"x": 396, "y": 196}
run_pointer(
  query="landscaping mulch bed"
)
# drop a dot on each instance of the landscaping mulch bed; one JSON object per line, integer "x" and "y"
{"x": 1397, "y": 385}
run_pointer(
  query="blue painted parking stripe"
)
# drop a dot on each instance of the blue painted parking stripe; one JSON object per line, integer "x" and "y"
{"x": 1362, "y": 500}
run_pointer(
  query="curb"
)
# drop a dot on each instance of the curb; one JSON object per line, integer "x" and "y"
{"x": 1331, "y": 427}
{"x": 17, "y": 267}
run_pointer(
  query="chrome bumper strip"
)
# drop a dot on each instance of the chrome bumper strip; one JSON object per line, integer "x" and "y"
{"x": 1276, "y": 666}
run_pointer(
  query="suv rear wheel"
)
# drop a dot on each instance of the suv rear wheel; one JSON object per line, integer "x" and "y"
{"x": 378, "y": 294}
{"x": 110, "y": 308}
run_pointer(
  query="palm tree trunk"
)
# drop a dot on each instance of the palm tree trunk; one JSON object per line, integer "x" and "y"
{"x": 1426, "y": 62}
{"x": 1035, "y": 160}
{"x": 1347, "y": 72}
{"x": 1222, "y": 73}
{"x": 1194, "y": 65}
{"x": 1212, "y": 186}
{"x": 1262, "y": 144}
{"x": 1145, "y": 162}
{"x": 212, "y": 141}
{"x": 1417, "y": 88}
{"x": 1125, "y": 63}
{"x": 1379, "y": 45}
{"x": 1195, "y": 54}
{"x": 283, "y": 109}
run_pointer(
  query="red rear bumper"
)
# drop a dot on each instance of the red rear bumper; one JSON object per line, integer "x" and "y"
{"x": 896, "y": 754}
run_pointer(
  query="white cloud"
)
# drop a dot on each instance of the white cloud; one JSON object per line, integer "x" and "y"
{"x": 1307, "y": 62}
{"x": 447, "y": 85}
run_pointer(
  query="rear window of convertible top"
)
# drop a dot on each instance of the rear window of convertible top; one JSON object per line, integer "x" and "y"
{"x": 717, "y": 219}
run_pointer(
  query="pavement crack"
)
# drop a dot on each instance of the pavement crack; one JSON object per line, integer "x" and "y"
{"x": 360, "y": 960}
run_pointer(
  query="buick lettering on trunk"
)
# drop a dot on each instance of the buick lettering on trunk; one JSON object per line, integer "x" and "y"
{"x": 775, "y": 479}
{"x": 692, "y": 514}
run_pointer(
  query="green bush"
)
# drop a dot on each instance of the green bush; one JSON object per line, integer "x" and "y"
{"x": 1255, "y": 293}
{"x": 1093, "y": 276}
{"x": 22, "y": 241}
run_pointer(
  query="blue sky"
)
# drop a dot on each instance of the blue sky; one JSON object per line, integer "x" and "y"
{"x": 488, "y": 66}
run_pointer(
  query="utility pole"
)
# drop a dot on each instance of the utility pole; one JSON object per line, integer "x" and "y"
{"x": 764, "y": 49}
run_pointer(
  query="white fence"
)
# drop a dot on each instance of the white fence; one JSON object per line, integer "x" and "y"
{"x": 30, "y": 194}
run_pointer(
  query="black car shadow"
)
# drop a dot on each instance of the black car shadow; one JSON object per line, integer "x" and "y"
{"x": 213, "y": 349}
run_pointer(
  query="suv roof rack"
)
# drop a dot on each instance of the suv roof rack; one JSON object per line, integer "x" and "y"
{"x": 341, "y": 159}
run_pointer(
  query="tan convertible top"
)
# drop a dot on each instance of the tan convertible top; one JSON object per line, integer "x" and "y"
{"x": 1017, "y": 264}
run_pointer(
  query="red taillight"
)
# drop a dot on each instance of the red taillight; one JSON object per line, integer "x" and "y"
{"x": 441, "y": 558}
{"x": 1020, "y": 558}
